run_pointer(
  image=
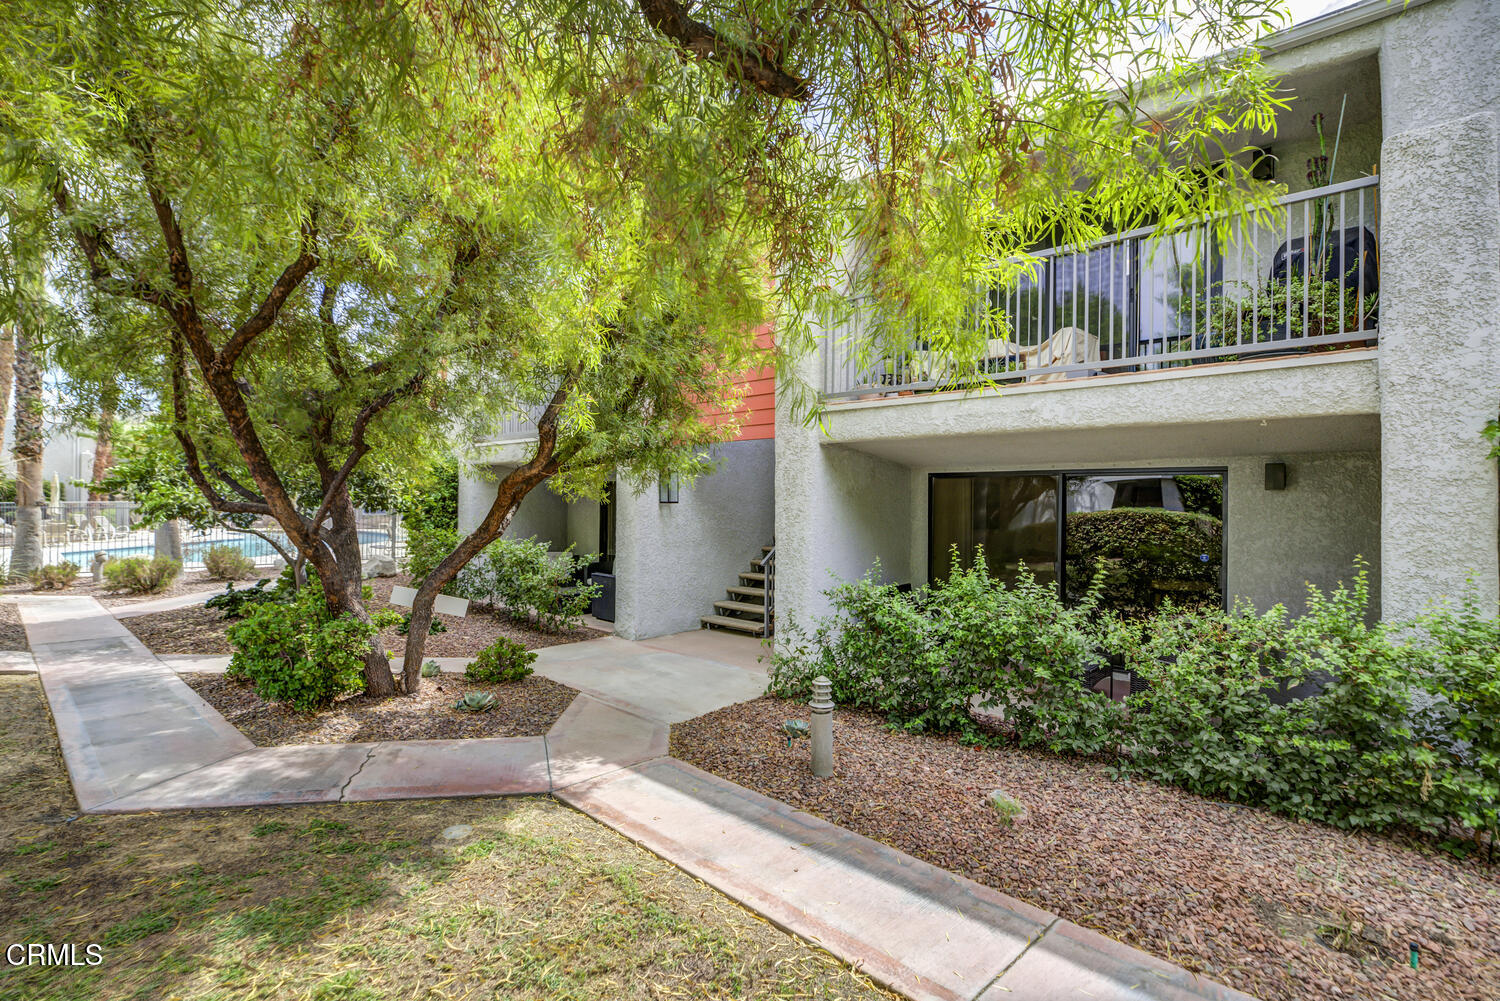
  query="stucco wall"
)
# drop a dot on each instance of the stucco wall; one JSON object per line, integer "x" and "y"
{"x": 837, "y": 510}
{"x": 1440, "y": 359}
{"x": 1277, "y": 541}
{"x": 583, "y": 526}
{"x": 673, "y": 561}
{"x": 542, "y": 514}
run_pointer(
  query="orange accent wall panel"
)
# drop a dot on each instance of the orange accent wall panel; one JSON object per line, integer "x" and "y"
{"x": 756, "y": 411}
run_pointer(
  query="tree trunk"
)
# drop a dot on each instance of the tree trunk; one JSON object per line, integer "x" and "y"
{"x": 7, "y": 371}
{"x": 508, "y": 496}
{"x": 345, "y": 542}
{"x": 29, "y": 442}
{"x": 168, "y": 540}
{"x": 104, "y": 439}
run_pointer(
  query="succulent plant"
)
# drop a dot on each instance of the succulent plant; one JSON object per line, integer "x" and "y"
{"x": 794, "y": 728}
{"x": 475, "y": 702}
{"x": 431, "y": 669}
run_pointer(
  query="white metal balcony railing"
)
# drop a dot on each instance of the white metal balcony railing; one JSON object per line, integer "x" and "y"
{"x": 517, "y": 426}
{"x": 1304, "y": 279}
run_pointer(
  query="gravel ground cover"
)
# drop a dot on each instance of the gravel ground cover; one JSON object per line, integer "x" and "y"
{"x": 1279, "y": 909}
{"x": 12, "y": 633}
{"x": 518, "y": 897}
{"x": 526, "y": 708}
{"x": 187, "y": 583}
{"x": 198, "y": 630}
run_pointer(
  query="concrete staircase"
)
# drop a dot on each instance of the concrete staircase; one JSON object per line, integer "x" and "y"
{"x": 750, "y": 606}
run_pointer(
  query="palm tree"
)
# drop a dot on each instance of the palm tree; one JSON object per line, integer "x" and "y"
{"x": 30, "y": 439}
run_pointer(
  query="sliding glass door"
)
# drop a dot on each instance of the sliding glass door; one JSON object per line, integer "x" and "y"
{"x": 1145, "y": 537}
{"x": 1013, "y": 518}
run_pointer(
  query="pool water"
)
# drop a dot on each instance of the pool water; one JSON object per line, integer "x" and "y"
{"x": 192, "y": 552}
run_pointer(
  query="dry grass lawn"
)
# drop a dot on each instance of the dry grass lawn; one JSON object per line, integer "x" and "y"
{"x": 363, "y": 902}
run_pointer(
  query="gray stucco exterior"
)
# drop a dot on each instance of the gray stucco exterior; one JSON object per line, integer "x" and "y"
{"x": 1383, "y": 445}
{"x": 674, "y": 560}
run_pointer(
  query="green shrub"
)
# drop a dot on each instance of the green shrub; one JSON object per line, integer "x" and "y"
{"x": 228, "y": 563}
{"x": 236, "y": 604}
{"x": 1455, "y": 654}
{"x": 55, "y": 577}
{"x": 139, "y": 575}
{"x": 923, "y": 658}
{"x": 504, "y": 660}
{"x": 425, "y": 549}
{"x": 1140, "y": 557}
{"x": 1322, "y": 717}
{"x": 299, "y": 653}
{"x": 533, "y": 587}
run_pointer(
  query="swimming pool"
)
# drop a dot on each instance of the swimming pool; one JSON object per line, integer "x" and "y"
{"x": 192, "y": 552}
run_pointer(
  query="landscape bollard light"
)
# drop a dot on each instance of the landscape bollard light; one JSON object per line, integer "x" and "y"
{"x": 100, "y": 558}
{"x": 822, "y": 727}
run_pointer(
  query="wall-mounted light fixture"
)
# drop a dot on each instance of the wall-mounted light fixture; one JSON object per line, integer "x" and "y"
{"x": 669, "y": 489}
{"x": 1263, "y": 164}
{"x": 1275, "y": 476}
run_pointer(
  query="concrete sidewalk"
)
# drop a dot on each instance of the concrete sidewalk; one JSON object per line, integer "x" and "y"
{"x": 136, "y": 738}
{"x": 918, "y": 929}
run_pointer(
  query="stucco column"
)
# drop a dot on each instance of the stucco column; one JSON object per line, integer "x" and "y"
{"x": 837, "y": 509}
{"x": 1439, "y": 349}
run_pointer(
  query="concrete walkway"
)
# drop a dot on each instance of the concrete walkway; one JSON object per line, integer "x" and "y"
{"x": 137, "y": 738}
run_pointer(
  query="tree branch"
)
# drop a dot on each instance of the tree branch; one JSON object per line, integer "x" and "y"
{"x": 96, "y": 246}
{"x": 190, "y": 449}
{"x": 358, "y": 447}
{"x": 758, "y": 69}
{"x": 260, "y": 321}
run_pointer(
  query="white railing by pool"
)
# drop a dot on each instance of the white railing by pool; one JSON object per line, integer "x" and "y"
{"x": 73, "y": 531}
{"x": 1302, "y": 277}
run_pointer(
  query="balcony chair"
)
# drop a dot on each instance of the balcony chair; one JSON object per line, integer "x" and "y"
{"x": 1066, "y": 346}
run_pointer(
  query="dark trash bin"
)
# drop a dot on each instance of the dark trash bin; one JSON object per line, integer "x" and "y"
{"x": 603, "y": 605}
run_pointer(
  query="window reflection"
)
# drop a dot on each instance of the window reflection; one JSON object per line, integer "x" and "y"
{"x": 1149, "y": 539}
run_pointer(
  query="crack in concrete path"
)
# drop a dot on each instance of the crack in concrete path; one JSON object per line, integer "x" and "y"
{"x": 345, "y": 787}
{"x": 1017, "y": 958}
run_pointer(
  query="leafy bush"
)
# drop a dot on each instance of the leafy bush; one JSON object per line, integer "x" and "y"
{"x": 923, "y": 658}
{"x": 433, "y": 504}
{"x": 297, "y": 652}
{"x": 55, "y": 577}
{"x": 1276, "y": 312}
{"x": 236, "y": 604}
{"x": 228, "y": 563}
{"x": 519, "y": 574}
{"x": 1322, "y": 716}
{"x": 523, "y": 576}
{"x": 139, "y": 575}
{"x": 1142, "y": 556}
{"x": 504, "y": 660}
{"x": 425, "y": 549}
{"x": 433, "y": 628}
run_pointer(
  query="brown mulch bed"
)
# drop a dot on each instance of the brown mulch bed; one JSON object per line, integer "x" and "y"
{"x": 198, "y": 630}
{"x": 12, "y": 633}
{"x": 190, "y": 630}
{"x": 473, "y": 632}
{"x": 1280, "y": 909}
{"x": 526, "y": 708}
{"x": 84, "y": 586}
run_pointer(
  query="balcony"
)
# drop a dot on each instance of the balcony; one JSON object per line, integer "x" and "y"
{"x": 1302, "y": 278}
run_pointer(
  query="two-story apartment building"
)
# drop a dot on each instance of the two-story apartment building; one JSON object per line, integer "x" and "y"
{"x": 1308, "y": 391}
{"x": 1316, "y": 383}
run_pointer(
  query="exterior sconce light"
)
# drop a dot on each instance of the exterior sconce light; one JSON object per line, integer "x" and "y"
{"x": 669, "y": 489}
{"x": 1275, "y": 476}
{"x": 1263, "y": 166}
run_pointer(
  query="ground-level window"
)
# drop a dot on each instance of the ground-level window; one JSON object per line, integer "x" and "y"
{"x": 1145, "y": 537}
